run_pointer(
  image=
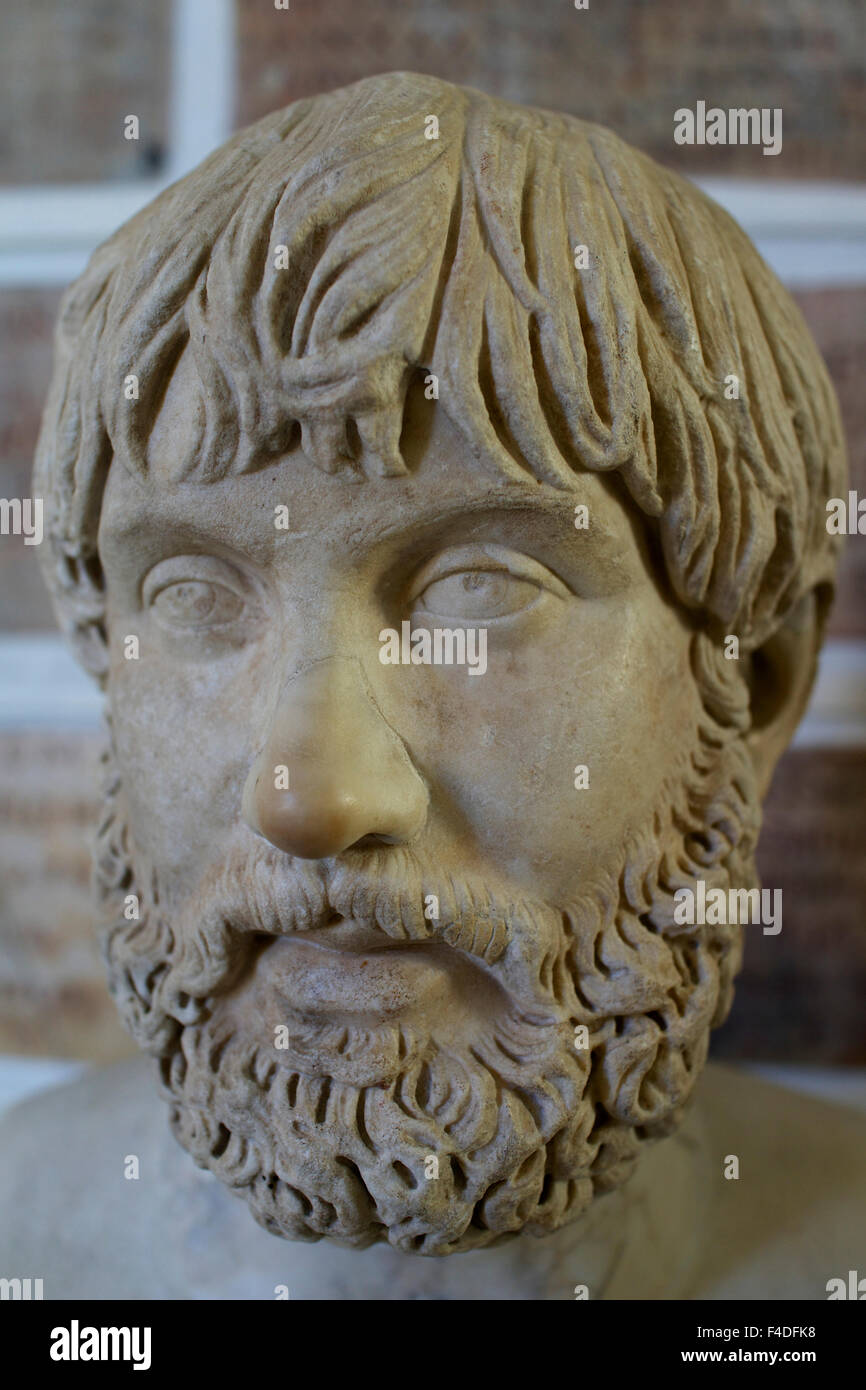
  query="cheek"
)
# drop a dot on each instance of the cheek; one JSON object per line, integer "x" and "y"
{"x": 609, "y": 689}
{"x": 182, "y": 734}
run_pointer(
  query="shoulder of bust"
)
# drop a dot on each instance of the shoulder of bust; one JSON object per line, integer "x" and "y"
{"x": 787, "y": 1184}
{"x": 64, "y": 1170}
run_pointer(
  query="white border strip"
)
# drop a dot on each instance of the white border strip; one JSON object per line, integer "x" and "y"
{"x": 815, "y": 263}
{"x": 41, "y": 686}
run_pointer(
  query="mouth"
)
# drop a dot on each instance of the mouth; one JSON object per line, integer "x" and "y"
{"x": 348, "y": 969}
{"x": 344, "y": 996}
{"x": 340, "y": 933}
{"x": 352, "y": 970}
{"x": 350, "y": 910}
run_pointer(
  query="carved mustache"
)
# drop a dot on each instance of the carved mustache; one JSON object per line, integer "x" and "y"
{"x": 258, "y": 892}
{"x": 469, "y": 920}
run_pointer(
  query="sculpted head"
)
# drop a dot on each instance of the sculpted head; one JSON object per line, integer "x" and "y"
{"x": 401, "y": 929}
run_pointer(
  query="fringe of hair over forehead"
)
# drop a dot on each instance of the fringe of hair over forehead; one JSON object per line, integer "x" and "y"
{"x": 455, "y": 256}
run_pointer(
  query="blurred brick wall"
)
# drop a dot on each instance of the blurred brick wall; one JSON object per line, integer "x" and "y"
{"x": 800, "y": 997}
{"x": 626, "y": 64}
{"x": 53, "y": 1000}
{"x": 26, "y": 328}
{"x": 69, "y": 75}
{"x": 837, "y": 319}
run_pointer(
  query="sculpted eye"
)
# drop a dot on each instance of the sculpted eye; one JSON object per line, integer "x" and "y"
{"x": 196, "y": 603}
{"x": 478, "y": 595}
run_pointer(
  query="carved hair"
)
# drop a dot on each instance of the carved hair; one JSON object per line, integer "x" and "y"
{"x": 456, "y": 256}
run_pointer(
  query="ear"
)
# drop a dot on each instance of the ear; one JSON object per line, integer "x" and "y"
{"x": 780, "y": 680}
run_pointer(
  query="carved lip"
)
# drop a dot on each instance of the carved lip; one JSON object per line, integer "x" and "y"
{"x": 481, "y": 938}
{"x": 346, "y": 934}
{"x": 349, "y": 968}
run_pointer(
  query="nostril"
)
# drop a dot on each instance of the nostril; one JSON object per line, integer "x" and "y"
{"x": 375, "y": 841}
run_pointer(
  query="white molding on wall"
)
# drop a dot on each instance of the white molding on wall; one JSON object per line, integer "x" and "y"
{"x": 202, "y": 94}
{"x": 815, "y": 263}
{"x": 791, "y": 208}
{"x": 24, "y": 1077}
{"x": 836, "y": 716}
{"x": 69, "y": 217}
{"x": 812, "y": 234}
{"x": 42, "y": 687}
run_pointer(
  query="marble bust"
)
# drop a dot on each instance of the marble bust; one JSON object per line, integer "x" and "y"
{"x": 437, "y": 488}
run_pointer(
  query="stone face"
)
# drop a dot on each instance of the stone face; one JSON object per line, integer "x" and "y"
{"x": 400, "y": 920}
{"x": 798, "y": 996}
{"x": 836, "y": 318}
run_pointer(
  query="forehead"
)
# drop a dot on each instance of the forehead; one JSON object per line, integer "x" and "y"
{"x": 447, "y": 497}
{"x": 447, "y": 490}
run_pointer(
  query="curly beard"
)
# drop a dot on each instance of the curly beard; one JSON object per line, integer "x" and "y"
{"x": 590, "y": 1027}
